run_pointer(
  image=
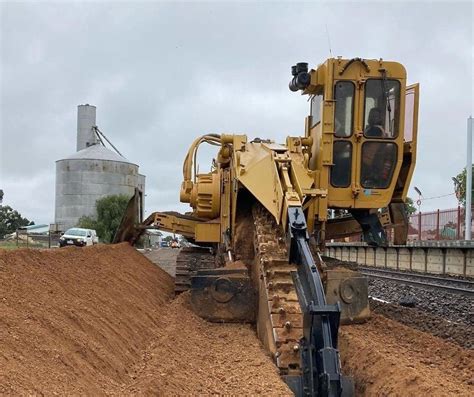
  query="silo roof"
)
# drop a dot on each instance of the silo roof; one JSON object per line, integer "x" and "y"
{"x": 97, "y": 152}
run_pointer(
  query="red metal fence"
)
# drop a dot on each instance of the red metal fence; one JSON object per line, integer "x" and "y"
{"x": 438, "y": 225}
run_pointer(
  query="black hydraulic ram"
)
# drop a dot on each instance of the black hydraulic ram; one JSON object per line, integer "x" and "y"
{"x": 319, "y": 355}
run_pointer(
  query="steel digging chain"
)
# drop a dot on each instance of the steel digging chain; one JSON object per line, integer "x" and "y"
{"x": 306, "y": 357}
{"x": 271, "y": 257}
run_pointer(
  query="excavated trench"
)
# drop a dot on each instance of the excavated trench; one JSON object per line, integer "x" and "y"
{"x": 101, "y": 321}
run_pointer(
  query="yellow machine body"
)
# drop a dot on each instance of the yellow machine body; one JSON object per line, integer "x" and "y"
{"x": 357, "y": 154}
{"x": 337, "y": 164}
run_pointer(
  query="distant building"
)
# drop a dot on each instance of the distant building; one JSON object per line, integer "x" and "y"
{"x": 152, "y": 238}
{"x": 93, "y": 172}
{"x": 35, "y": 229}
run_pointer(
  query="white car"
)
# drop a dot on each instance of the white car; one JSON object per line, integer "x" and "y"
{"x": 79, "y": 237}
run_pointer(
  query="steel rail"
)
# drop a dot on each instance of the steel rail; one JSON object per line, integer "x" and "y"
{"x": 419, "y": 275}
{"x": 423, "y": 284}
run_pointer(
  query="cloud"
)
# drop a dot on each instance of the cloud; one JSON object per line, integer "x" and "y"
{"x": 163, "y": 73}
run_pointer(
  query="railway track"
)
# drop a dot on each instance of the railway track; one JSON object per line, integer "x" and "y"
{"x": 464, "y": 287}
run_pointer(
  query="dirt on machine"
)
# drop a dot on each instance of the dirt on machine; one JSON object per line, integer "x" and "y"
{"x": 261, "y": 216}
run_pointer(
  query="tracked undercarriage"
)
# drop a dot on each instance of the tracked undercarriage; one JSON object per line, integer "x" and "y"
{"x": 188, "y": 262}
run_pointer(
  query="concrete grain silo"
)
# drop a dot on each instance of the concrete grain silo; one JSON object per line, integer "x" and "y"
{"x": 93, "y": 172}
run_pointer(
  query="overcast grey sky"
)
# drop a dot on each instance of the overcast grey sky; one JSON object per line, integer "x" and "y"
{"x": 163, "y": 73}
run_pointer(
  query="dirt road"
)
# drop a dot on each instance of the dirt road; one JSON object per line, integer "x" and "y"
{"x": 164, "y": 258}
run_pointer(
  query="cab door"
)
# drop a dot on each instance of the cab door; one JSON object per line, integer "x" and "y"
{"x": 342, "y": 176}
{"x": 410, "y": 138}
{"x": 411, "y": 114}
{"x": 379, "y": 142}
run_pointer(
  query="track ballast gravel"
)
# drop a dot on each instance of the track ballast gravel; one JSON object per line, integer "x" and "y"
{"x": 458, "y": 333}
{"x": 451, "y": 306}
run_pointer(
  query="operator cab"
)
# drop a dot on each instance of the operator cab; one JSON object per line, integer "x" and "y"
{"x": 365, "y": 158}
{"x": 363, "y": 131}
{"x": 356, "y": 122}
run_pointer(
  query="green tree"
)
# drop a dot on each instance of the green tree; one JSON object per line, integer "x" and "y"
{"x": 11, "y": 220}
{"x": 460, "y": 186}
{"x": 410, "y": 206}
{"x": 109, "y": 210}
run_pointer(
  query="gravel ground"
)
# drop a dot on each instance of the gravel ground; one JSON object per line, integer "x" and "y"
{"x": 455, "y": 332}
{"x": 450, "y": 306}
{"x": 445, "y": 305}
{"x": 446, "y": 280}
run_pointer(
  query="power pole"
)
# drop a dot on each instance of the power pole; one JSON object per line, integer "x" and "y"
{"x": 468, "y": 180}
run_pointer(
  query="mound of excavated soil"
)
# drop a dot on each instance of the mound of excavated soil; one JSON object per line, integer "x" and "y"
{"x": 387, "y": 358}
{"x": 189, "y": 356}
{"x": 73, "y": 320}
{"x": 99, "y": 321}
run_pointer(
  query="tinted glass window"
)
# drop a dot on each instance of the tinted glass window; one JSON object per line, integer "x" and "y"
{"x": 378, "y": 163}
{"x": 382, "y": 108}
{"x": 342, "y": 159}
{"x": 75, "y": 232}
{"x": 409, "y": 115}
{"x": 344, "y": 96}
{"x": 315, "y": 110}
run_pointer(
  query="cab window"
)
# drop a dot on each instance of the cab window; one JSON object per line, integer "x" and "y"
{"x": 344, "y": 110}
{"x": 409, "y": 115}
{"x": 315, "y": 110}
{"x": 382, "y": 108}
{"x": 378, "y": 164}
{"x": 342, "y": 159}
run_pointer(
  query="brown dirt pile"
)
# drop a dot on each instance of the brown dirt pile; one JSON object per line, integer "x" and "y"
{"x": 189, "y": 356}
{"x": 244, "y": 238}
{"x": 388, "y": 358}
{"x": 98, "y": 320}
{"x": 235, "y": 265}
{"x": 333, "y": 263}
{"x": 73, "y": 320}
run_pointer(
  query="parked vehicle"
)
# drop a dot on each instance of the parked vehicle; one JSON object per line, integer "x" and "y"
{"x": 78, "y": 237}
